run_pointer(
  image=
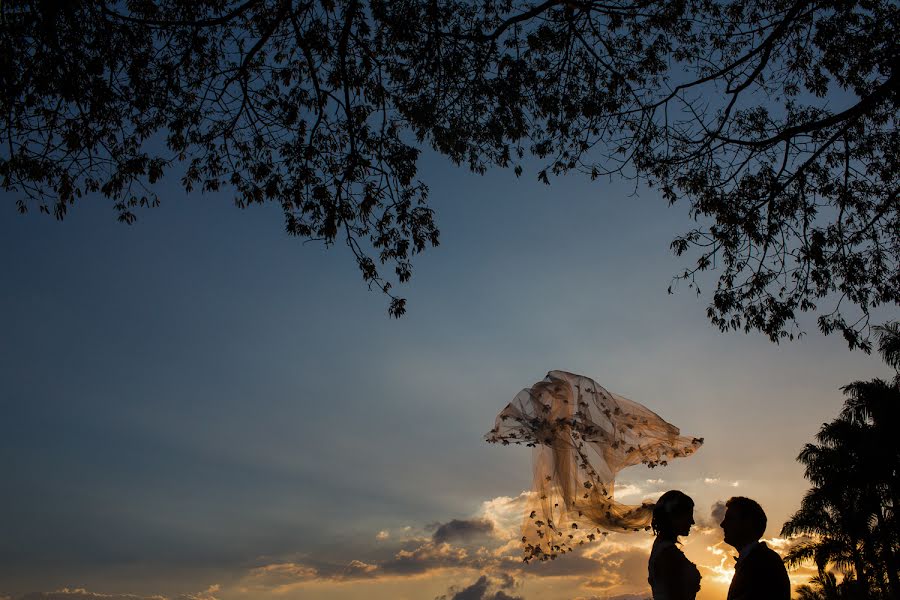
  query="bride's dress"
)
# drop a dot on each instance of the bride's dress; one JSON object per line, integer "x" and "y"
{"x": 582, "y": 436}
{"x": 671, "y": 575}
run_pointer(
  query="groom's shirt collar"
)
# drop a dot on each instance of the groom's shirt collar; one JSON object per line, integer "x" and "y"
{"x": 743, "y": 552}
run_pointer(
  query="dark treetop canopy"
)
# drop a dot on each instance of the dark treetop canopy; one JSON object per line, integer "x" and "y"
{"x": 775, "y": 121}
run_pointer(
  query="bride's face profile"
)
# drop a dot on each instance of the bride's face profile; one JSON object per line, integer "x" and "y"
{"x": 673, "y": 515}
{"x": 682, "y": 521}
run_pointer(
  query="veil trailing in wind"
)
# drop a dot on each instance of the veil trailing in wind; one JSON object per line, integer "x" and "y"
{"x": 582, "y": 436}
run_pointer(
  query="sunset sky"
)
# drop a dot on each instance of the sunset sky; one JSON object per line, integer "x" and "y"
{"x": 198, "y": 406}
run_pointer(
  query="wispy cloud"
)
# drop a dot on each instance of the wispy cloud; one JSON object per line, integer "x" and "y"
{"x": 477, "y": 557}
{"x": 721, "y": 482}
{"x": 66, "y": 593}
{"x": 620, "y": 568}
{"x": 469, "y": 561}
{"x": 506, "y": 513}
{"x": 484, "y": 549}
{"x": 629, "y": 490}
{"x": 721, "y": 568}
{"x": 278, "y": 576}
{"x": 466, "y": 545}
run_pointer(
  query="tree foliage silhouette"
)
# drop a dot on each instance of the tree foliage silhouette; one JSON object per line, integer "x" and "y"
{"x": 851, "y": 510}
{"x": 825, "y": 586}
{"x": 774, "y": 120}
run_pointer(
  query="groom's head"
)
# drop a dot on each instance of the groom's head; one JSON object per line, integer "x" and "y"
{"x": 744, "y": 522}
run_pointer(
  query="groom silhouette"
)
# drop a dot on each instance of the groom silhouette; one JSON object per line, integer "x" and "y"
{"x": 759, "y": 573}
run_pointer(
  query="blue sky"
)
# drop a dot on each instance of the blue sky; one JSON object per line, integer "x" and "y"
{"x": 199, "y": 395}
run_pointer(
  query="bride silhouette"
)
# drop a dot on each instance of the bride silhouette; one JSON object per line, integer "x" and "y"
{"x": 671, "y": 575}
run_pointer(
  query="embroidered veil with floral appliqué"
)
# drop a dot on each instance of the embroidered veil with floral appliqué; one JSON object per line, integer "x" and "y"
{"x": 582, "y": 436}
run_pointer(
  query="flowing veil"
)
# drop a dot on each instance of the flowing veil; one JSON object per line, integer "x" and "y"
{"x": 582, "y": 436}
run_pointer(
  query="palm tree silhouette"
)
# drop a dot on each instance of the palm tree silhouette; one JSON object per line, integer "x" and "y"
{"x": 849, "y": 515}
{"x": 823, "y": 586}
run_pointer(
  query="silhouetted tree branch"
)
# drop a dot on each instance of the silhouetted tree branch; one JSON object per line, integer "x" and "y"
{"x": 774, "y": 120}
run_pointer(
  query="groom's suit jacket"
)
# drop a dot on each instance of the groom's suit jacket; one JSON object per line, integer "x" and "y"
{"x": 760, "y": 575}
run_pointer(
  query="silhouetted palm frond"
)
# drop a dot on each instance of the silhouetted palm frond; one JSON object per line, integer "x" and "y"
{"x": 850, "y": 512}
{"x": 889, "y": 343}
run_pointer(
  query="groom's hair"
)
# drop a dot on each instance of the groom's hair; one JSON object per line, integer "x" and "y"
{"x": 750, "y": 511}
